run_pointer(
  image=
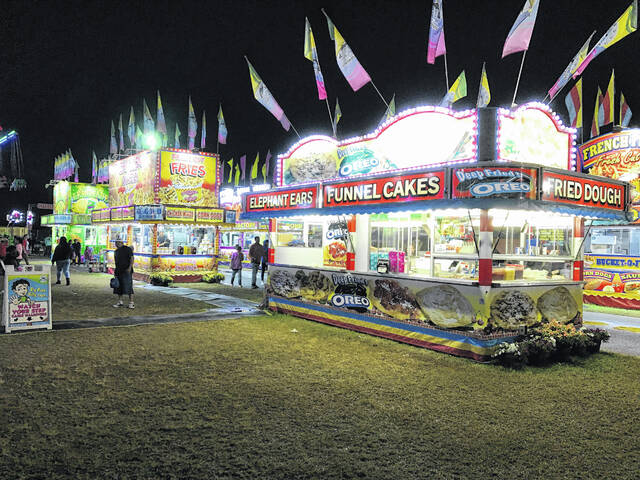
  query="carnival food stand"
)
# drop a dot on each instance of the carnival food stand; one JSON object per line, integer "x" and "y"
{"x": 73, "y": 203}
{"x": 448, "y": 230}
{"x": 164, "y": 204}
{"x": 242, "y": 233}
{"x": 612, "y": 249}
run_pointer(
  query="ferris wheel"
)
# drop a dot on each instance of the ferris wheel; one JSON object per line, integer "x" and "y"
{"x": 11, "y": 162}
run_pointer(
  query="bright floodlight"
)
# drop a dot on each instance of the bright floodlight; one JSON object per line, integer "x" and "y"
{"x": 151, "y": 141}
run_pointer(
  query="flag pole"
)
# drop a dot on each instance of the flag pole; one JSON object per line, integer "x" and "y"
{"x": 294, "y": 129}
{"x": 446, "y": 71}
{"x": 374, "y": 86}
{"x": 515, "y": 92}
{"x": 333, "y": 127}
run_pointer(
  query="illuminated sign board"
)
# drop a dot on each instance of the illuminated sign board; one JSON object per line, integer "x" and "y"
{"x": 420, "y": 137}
{"x": 179, "y": 214}
{"x": 149, "y": 212}
{"x": 188, "y": 179}
{"x": 612, "y": 155}
{"x": 210, "y": 216}
{"x": 534, "y": 134}
{"x": 132, "y": 180}
{"x": 399, "y": 188}
{"x": 293, "y": 199}
{"x": 590, "y": 192}
{"x": 492, "y": 182}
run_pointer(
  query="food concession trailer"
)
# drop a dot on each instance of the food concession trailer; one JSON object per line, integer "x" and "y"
{"x": 448, "y": 230}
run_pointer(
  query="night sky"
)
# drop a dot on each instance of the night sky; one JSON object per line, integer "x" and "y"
{"x": 68, "y": 68}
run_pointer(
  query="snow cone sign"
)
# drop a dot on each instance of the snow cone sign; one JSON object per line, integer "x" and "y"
{"x": 27, "y": 299}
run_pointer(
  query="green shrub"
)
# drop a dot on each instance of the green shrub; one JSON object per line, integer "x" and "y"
{"x": 212, "y": 277}
{"x": 161, "y": 278}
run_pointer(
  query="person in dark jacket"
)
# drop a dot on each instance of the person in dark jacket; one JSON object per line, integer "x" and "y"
{"x": 76, "y": 249}
{"x": 123, "y": 257}
{"x": 62, "y": 258}
{"x": 265, "y": 259}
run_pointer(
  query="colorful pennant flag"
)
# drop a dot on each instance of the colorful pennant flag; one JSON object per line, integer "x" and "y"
{"x": 520, "y": 34}
{"x": 571, "y": 68}
{"x": 176, "y": 141}
{"x": 338, "y": 113}
{"x": 436, "y": 46}
{"x": 355, "y": 74}
{"x": 391, "y": 109}
{"x": 595, "y": 127}
{"x": 311, "y": 53}
{"x": 457, "y": 91}
{"x": 237, "y": 181}
{"x": 607, "y": 102}
{"x": 600, "y": 109}
{"x": 254, "y": 167}
{"x": 222, "y": 128}
{"x": 139, "y": 138}
{"x": 131, "y": 129}
{"x": 147, "y": 118}
{"x": 265, "y": 98}
{"x": 625, "y": 112}
{"x": 230, "y": 163}
{"x": 265, "y": 167}
{"x": 113, "y": 146}
{"x": 161, "y": 125}
{"x": 484, "y": 94}
{"x": 626, "y": 24}
{"x": 192, "y": 126}
{"x": 94, "y": 168}
{"x": 573, "y": 101}
{"x": 243, "y": 165}
{"x": 121, "y": 131}
{"x": 203, "y": 133}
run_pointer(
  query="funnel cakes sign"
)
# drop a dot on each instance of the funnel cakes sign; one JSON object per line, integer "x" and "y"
{"x": 420, "y": 137}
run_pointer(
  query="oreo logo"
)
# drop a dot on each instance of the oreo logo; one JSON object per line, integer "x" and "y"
{"x": 351, "y": 296}
{"x": 497, "y": 188}
{"x": 358, "y": 162}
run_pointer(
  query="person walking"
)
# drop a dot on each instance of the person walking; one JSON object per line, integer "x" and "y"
{"x": 22, "y": 251}
{"x": 47, "y": 245}
{"x": 256, "y": 252}
{"x": 123, "y": 257}
{"x": 77, "y": 250}
{"x": 265, "y": 259}
{"x": 237, "y": 258}
{"x": 62, "y": 258}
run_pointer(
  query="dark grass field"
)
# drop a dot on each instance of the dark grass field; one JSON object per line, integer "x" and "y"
{"x": 251, "y": 398}
{"x": 89, "y": 296}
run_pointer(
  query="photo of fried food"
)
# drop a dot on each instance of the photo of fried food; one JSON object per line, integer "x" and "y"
{"x": 284, "y": 284}
{"x": 336, "y": 251}
{"x": 632, "y": 287}
{"x": 395, "y": 300}
{"x": 314, "y": 286}
{"x": 558, "y": 304}
{"x": 314, "y": 166}
{"x": 445, "y": 306}
{"x": 511, "y": 309}
{"x": 595, "y": 284}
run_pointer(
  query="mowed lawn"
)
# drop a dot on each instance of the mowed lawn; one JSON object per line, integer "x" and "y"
{"x": 276, "y": 397}
{"x": 89, "y": 296}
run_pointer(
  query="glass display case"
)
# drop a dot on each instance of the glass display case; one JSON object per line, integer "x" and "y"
{"x": 531, "y": 246}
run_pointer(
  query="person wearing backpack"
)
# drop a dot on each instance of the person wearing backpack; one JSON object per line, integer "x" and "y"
{"x": 237, "y": 258}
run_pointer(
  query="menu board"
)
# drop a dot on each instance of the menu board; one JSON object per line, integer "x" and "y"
{"x": 179, "y": 214}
